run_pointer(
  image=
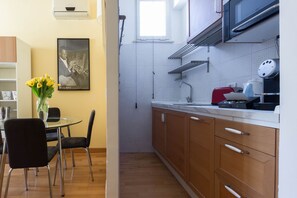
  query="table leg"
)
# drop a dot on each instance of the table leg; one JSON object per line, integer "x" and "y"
{"x": 2, "y": 166}
{"x": 60, "y": 163}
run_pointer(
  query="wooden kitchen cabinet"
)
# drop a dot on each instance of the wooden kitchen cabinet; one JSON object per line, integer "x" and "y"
{"x": 227, "y": 188}
{"x": 201, "y": 155}
{"x": 203, "y": 15}
{"x": 218, "y": 158}
{"x": 245, "y": 160}
{"x": 8, "y": 49}
{"x": 176, "y": 141}
{"x": 258, "y": 137}
{"x": 159, "y": 127}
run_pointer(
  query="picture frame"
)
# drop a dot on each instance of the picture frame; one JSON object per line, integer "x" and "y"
{"x": 6, "y": 95}
{"x": 73, "y": 60}
{"x": 14, "y": 95}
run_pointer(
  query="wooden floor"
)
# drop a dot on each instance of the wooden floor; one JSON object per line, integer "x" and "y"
{"x": 78, "y": 186}
{"x": 143, "y": 175}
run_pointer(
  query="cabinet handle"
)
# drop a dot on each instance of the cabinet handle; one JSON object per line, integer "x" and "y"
{"x": 235, "y": 131}
{"x": 163, "y": 117}
{"x": 216, "y": 3}
{"x": 194, "y": 118}
{"x": 232, "y": 192}
{"x": 237, "y": 150}
{"x": 242, "y": 27}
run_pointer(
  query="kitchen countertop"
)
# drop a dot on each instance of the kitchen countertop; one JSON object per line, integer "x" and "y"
{"x": 257, "y": 117}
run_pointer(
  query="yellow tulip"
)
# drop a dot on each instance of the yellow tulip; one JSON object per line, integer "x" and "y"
{"x": 39, "y": 85}
{"x": 30, "y": 83}
{"x": 50, "y": 83}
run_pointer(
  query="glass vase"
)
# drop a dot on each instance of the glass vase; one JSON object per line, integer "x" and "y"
{"x": 42, "y": 108}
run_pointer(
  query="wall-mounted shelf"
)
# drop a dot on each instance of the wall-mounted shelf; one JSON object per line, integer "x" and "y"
{"x": 7, "y": 65}
{"x": 8, "y": 101}
{"x": 183, "y": 51}
{"x": 189, "y": 65}
{"x": 7, "y": 80}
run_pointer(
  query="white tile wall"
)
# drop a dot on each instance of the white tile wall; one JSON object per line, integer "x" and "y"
{"x": 137, "y": 63}
{"x": 232, "y": 62}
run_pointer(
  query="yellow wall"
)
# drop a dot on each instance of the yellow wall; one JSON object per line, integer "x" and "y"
{"x": 32, "y": 21}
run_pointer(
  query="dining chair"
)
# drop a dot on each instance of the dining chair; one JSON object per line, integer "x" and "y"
{"x": 81, "y": 142}
{"x": 27, "y": 147}
{"x": 2, "y": 165}
{"x": 54, "y": 115}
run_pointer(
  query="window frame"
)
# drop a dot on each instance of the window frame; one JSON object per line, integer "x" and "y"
{"x": 167, "y": 37}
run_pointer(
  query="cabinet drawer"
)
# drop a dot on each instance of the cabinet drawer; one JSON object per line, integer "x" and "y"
{"x": 227, "y": 188}
{"x": 256, "y": 137}
{"x": 253, "y": 169}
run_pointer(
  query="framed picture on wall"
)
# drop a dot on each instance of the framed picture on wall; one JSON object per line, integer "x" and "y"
{"x": 73, "y": 63}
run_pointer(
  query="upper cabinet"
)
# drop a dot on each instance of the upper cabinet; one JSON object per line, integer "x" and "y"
{"x": 205, "y": 19}
{"x": 8, "y": 49}
{"x": 15, "y": 70}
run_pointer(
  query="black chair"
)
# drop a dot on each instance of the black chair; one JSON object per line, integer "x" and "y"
{"x": 54, "y": 115}
{"x": 81, "y": 142}
{"x": 27, "y": 147}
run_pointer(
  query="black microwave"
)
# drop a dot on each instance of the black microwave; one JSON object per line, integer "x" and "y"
{"x": 241, "y": 15}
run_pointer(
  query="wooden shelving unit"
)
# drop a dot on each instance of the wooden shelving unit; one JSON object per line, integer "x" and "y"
{"x": 15, "y": 70}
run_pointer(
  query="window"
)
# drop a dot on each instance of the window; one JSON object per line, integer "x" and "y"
{"x": 152, "y": 20}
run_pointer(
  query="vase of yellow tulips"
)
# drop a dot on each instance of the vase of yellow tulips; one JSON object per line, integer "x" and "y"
{"x": 43, "y": 87}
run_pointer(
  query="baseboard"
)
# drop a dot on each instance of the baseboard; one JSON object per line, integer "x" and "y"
{"x": 92, "y": 150}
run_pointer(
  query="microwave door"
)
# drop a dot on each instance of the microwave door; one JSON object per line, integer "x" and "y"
{"x": 256, "y": 18}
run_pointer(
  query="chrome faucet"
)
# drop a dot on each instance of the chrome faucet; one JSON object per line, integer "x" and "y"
{"x": 189, "y": 98}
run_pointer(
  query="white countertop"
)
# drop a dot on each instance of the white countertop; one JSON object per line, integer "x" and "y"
{"x": 257, "y": 117}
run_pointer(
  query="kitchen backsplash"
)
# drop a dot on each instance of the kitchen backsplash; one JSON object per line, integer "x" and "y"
{"x": 229, "y": 63}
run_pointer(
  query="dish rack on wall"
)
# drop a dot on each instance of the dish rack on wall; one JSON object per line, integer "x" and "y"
{"x": 179, "y": 54}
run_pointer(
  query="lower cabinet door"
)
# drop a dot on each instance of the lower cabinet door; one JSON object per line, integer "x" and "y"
{"x": 176, "y": 141}
{"x": 226, "y": 188}
{"x": 158, "y": 136}
{"x": 201, "y": 155}
{"x": 254, "y": 170}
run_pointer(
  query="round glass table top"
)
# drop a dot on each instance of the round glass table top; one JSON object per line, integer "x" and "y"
{"x": 54, "y": 122}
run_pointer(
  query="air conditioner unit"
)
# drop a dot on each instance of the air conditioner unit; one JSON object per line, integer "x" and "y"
{"x": 71, "y": 9}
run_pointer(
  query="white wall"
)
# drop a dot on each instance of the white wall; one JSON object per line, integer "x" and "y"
{"x": 288, "y": 98}
{"x": 137, "y": 63}
{"x": 178, "y": 27}
{"x": 110, "y": 20}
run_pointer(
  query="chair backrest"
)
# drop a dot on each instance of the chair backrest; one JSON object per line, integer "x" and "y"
{"x": 90, "y": 127}
{"x": 26, "y": 142}
{"x": 54, "y": 114}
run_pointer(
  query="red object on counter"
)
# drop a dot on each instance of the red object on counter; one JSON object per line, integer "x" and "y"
{"x": 218, "y": 94}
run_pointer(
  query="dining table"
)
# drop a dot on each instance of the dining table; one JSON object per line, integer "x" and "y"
{"x": 52, "y": 123}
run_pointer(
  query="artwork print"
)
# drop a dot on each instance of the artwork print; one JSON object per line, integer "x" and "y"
{"x": 73, "y": 64}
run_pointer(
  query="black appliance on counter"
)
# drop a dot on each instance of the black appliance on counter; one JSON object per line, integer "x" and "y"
{"x": 242, "y": 15}
{"x": 269, "y": 71}
{"x": 239, "y": 104}
{"x": 270, "y": 95}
